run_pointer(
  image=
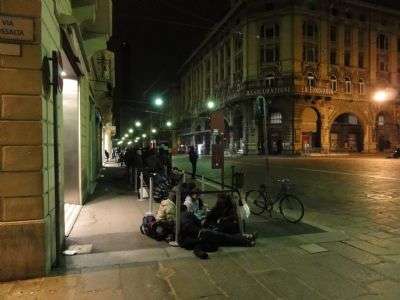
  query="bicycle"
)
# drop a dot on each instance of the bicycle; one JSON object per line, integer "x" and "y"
{"x": 290, "y": 207}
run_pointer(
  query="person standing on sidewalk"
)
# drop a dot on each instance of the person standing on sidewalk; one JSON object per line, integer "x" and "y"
{"x": 193, "y": 157}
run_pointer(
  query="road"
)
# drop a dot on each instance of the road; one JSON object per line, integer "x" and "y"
{"x": 346, "y": 188}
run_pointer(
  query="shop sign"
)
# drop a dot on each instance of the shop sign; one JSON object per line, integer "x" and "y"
{"x": 315, "y": 90}
{"x": 268, "y": 91}
{"x": 16, "y": 28}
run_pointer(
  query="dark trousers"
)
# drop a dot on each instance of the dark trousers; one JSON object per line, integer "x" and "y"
{"x": 222, "y": 239}
{"x": 194, "y": 168}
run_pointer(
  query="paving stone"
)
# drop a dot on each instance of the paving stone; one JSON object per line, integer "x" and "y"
{"x": 389, "y": 270}
{"x": 254, "y": 261}
{"x": 355, "y": 254}
{"x": 393, "y": 258}
{"x": 313, "y": 248}
{"x": 287, "y": 286}
{"x": 114, "y": 294}
{"x": 374, "y": 249}
{"x": 146, "y": 282}
{"x": 94, "y": 281}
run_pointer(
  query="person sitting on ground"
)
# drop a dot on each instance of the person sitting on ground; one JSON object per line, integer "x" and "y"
{"x": 194, "y": 204}
{"x": 223, "y": 216}
{"x": 167, "y": 209}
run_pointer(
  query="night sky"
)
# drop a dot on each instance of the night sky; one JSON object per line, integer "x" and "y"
{"x": 159, "y": 36}
{"x": 152, "y": 39}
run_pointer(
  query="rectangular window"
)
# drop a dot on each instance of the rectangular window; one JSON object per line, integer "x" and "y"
{"x": 347, "y": 36}
{"x": 361, "y": 60}
{"x": 361, "y": 88}
{"x": 333, "y": 56}
{"x": 311, "y": 54}
{"x": 361, "y": 39}
{"x": 276, "y": 118}
{"x": 347, "y": 86}
{"x": 333, "y": 34}
{"x": 347, "y": 58}
{"x": 269, "y": 54}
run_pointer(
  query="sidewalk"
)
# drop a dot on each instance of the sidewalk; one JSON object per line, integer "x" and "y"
{"x": 346, "y": 258}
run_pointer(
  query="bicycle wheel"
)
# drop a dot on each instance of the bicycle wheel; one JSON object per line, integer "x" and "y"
{"x": 256, "y": 202}
{"x": 291, "y": 208}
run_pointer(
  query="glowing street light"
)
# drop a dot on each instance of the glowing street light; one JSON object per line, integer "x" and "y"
{"x": 169, "y": 124}
{"x": 130, "y": 143}
{"x": 126, "y": 135}
{"x": 138, "y": 124}
{"x": 154, "y": 130}
{"x": 130, "y": 130}
{"x": 144, "y": 135}
{"x": 384, "y": 95}
{"x": 210, "y": 104}
{"x": 120, "y": 142}
{"x": 159, "y": 102}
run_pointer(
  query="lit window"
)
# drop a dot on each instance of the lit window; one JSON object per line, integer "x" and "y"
{"x": 311, "y": 82}
{"x": 347, "y": 83}
{"x": 276, "y": 118}
{"x": 381, "y": 120}
{"x": 361, "y": 87}
{"x": 333, "y": 83}
{"x": 353, "y": 120}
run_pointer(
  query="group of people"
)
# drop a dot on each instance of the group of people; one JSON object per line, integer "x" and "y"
{"x": 204, "y": 230}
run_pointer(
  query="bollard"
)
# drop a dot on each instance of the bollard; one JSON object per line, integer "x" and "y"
{"x": 135, "y": 179}
{"x": 130, "y": 176}
{"x": 150, "y": 212}
{"x": 141, "y": 186}
{"x": 177, "y": 217}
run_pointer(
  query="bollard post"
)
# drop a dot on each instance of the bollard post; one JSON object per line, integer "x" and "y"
{"x": 141, "y": 186}
{"x": 202, "y": 183}
{"x": 135, "y": 179}
{"x": 150, "y": 212}
{"x": 177, "y": 217}
{"x": 130, "y": 176}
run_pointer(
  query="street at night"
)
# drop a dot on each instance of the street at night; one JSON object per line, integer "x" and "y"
{"x": 187, "y": 149}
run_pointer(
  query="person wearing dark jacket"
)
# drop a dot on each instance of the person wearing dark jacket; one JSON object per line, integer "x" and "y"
{"x": 193, "y": 157}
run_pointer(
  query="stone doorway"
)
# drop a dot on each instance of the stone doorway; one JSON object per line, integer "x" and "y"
{"x": 310, "y": 130}
{"x": 346, "y": 134}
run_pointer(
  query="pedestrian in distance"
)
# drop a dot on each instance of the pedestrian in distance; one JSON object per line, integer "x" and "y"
{"x": 193, "y": 157}
{"x": 107, "y": 155}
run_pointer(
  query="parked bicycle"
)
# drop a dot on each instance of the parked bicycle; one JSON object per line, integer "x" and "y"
{"x": 290, "y": 206}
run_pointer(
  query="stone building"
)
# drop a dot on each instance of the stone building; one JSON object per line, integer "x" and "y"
{"x": 56, "y": 82}
{"x": 320, "y": 65}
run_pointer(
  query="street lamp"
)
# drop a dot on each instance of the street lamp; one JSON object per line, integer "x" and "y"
{"x": 130, "y": 143}
{"x": 154, "y": 131}
{"x": 126, "y": 135}
{"x": 138, "y": 124}
{"x": 210, "y": 104}
{"x": 384, "y": 95}
{"x": 158, "y": 102}
{"x": 144, "y": 135}
{"x": 120, "y": 142}
{"x": 130, "y": 130}
{"x": 169, "y": 124}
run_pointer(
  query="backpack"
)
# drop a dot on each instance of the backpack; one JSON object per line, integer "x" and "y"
{"x": 148, "y": 226}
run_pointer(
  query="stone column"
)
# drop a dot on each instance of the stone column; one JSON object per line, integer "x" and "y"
{"x": 325, "y": 135}
{"x": 251, "y": 130}
{"x": 25, "y": 224}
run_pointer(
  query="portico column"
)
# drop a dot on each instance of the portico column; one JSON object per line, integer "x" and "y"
{"x": 325, "y": 136}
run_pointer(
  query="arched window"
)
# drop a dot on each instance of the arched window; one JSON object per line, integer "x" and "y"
{"x": 333, "y": 83}
{"x": 276, "y": 118}
{"x": 311, "y": 82}
{"x": 347, "y": 85}
{"x": 361, "y": 87}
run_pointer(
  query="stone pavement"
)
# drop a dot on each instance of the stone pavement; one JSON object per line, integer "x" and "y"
{"x": 352, "y": 256}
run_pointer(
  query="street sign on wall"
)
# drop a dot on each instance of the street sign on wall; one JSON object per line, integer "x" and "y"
{"x": 18, "y": 29}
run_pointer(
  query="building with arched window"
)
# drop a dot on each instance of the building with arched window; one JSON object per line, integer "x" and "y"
{"x": 320, "y": 65}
